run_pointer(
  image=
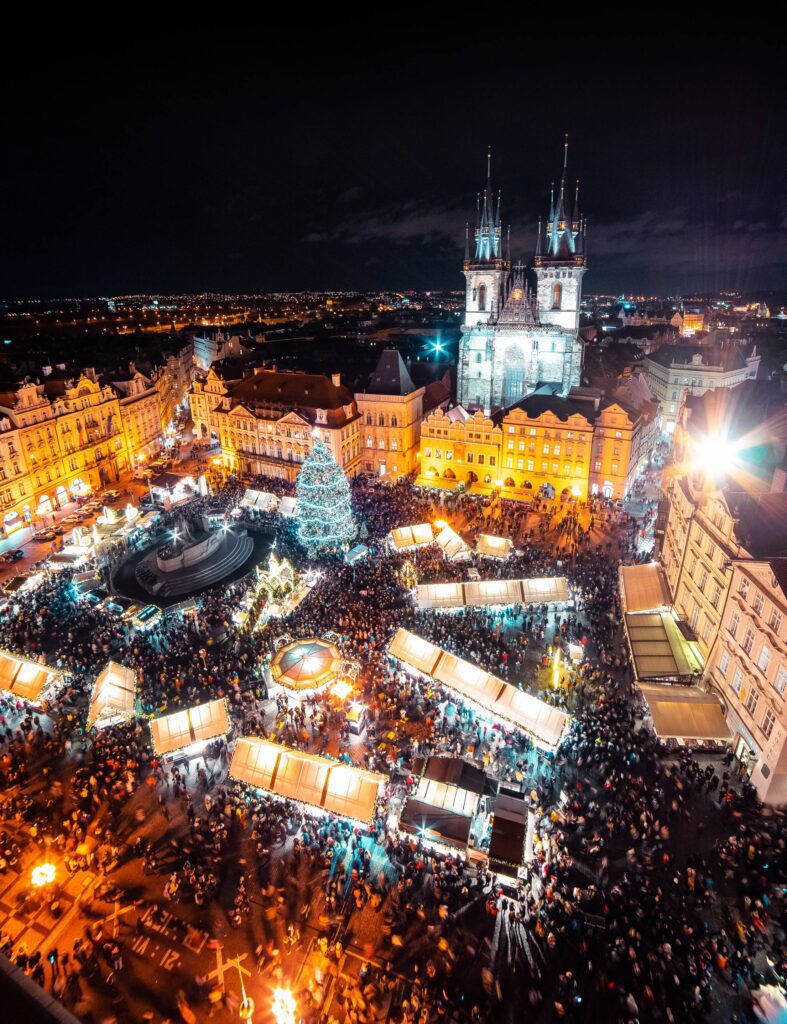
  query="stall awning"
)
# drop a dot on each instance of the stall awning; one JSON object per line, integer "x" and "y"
{"x": 545, "y": 590}
{"x": 507, "y": 842}
{"x": 643, "y": 588}
{"x": 686, "y": 713}
{"x": 204, "y": 722}
{"x": 287, "y": 506}
{"x": 428, "y": 822}
{"x": 338, "y": 788}
{"x": 493, "y": 547}
{"x": 440, "y": 595}
{"x": 114, "y": 696}
{"x": 262, "y": 501}
{"x": 24, "y": 678}
{"x": 414, "y": 651}
{"x": 483, "y": 593}
{"x": 658, "y": 647}
{"x": 452, "y": 544}
{"x": 502, "y": 700}
{"x": 412, "y": 536}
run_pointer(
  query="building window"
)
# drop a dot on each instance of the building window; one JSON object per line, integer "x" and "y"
{"x": 752, "y": 700}
{"x": 370, "y": 443}
{"x": 748, "y": 641}
{"x": 724, "y": 662}
{"x": 530, "y": 465}
{"x": 492, "y": 460}
{"x": 557, "y": 294}
{"x": 735, "y": 621}
{"x": 470, "y": 456}
{"x": 768, "y": 720}
{"x": 775, "y": 622}
{"x": 597, "y": 466}
{"x": 780, "y": 682}
{"x": 737, "y": 681}
{"x": 743, "y": 589}
{"x": 757, "y": 602}
{"x": 394, "y": 421}
{"x": 764, "y": 659}
{"x": 482, "y": 297}
{"x": 428, "y": 453}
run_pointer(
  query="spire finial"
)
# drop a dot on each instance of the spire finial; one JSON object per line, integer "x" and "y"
{"x": 467, "y": 241}
{"x": 489, "y": 163}
{"x": 565, "y": 153}
{"x": 508, "y": 245}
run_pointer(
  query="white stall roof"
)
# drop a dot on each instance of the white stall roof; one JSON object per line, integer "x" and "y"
{"x": 287, "y": 506}
{"x": 543, "y": 721}
{"x": 493, "y": 547}
{"x": 440, "y": 595}
{"x": 490, "y": 592}
{"x": 447, "y": 797}
{"x": 204, "y": 722}
{"x": 114, "y": 696}
{"x": 263, "y": 501}
{"x": 412, "y": 536}
{"x": 337, "y": 788}
{"x": 24, "y": 678}
{"x": 545, "y": 590}
{"x": 413, "y": 650}
{"x": 451, "y": 543}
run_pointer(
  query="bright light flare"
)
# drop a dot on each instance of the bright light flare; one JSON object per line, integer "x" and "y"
{"x": 43, "y": 874}
{"x": 283, "y": 1006}
{"x": 440, "y": 524}
{"x": 713, "y": 456}
{"x": 342, "y": 689}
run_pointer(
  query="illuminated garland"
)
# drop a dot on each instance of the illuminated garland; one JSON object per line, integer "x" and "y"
{"x": 325, "y": 518}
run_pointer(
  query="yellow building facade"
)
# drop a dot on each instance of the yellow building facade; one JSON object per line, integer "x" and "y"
{"x": 543, "y": 445}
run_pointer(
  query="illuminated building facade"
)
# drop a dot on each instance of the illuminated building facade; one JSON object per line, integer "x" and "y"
{"x": 391, "y": 411}
{"x": 546, "y": 444}
{"x": 514, "y": 340}
{"x": 747, "y": 668}
{"x": 266, "y": 422}
{"x": 140, "y": 413}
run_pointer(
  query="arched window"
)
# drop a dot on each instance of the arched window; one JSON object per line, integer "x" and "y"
{"x": 381, "y": 421}
{"x": 368, "y": 419}
{"x": 394, "y": 421}
{"x": 482, "y": 297}
{"x": 557, "y": 295}
{"x": 479, "y": 357}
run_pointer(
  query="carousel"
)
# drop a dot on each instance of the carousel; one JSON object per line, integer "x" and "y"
{"x": 308, "y": 666}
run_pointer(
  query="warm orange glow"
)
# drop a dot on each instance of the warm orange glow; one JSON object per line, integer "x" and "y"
{"x": 283, "y": 1007}
{"x": 440, "y": 524}
{"x": 43, "y": 874}
{"x": 342, "y": 689}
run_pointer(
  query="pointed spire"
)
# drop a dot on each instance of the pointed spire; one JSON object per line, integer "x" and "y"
{"x": 538, "y": 238}
{"x": 489, "y": 165}
{"x": 576, "y": 204}
{"x": 508, "y": 245}
{"x": 565, "y": 153}
{"x": 552, "y": 201}
{"x": 467, "y": 241}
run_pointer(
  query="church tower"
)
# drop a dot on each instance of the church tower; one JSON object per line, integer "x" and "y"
{"x": 485, "y": 275}
{"x": 560, "y": 262}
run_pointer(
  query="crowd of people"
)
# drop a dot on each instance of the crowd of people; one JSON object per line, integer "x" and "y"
{"x": 654, "y": 881}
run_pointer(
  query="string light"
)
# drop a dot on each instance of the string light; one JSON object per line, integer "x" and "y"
{"x": 325, "y": 518}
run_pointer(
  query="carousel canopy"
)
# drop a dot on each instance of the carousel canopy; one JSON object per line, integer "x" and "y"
{"x": 493, "y": 547}
{"x": 541, "y": 720}
{"x": 204, "y": 722}
{"x": 306, "y": 664}
{"x": 114, "y": 696}
{"x": 308, "y": 778}
{"x": 23, "y": 678}
{"x": 412, "y": 536}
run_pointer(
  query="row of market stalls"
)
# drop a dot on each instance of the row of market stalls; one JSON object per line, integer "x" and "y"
{"x": 292, "y": 774}
{"x": 483, "y": 593}
{"x": 406, "y": 538}
{"x": 495, "y": 697}
{"x": 667, "y": 666}
{"x": 265, "y": 501}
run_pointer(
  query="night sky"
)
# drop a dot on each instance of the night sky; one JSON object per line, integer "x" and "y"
{"x": 274, "y": 161}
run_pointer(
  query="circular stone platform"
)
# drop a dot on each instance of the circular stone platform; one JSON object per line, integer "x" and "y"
{"x": 200, "y": 557}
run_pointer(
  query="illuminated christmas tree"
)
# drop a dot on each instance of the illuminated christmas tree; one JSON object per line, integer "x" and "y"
{"x": 325, "y": 518}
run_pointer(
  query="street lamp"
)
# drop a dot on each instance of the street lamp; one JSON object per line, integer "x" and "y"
{"x": 283, "y": 1006}
{"x": 43, "y": 874}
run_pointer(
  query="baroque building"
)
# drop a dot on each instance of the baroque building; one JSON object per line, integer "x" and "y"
{"x": 515, "y": 339}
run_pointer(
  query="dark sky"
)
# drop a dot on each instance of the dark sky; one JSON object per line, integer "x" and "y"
{"x": 269, "y": 160}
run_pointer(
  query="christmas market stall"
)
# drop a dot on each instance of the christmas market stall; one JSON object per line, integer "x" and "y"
{"x": 28, "y": 680}
{"x": 405, "y": 537}
{"x": 490, "y": 546}
{"x": 452, "y": 545}
{"x": 449, "y": 806}
{"x": 543, "y": 722}
{"x": 114, "y": 696}
{"x": 307, "y": 778}
{"x": 189, "y": 730}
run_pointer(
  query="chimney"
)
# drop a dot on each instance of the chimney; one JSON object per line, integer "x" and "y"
{"x": 336, "y": 380}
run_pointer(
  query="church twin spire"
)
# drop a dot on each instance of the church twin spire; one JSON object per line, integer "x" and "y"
{"x": 565, "y": 229}
{"x": 488, "y": 231}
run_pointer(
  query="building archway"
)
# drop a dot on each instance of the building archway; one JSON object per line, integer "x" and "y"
{"x": 510, "y": 482}
{"x": 471, "y": 477}
{"x": 449, "y": 475}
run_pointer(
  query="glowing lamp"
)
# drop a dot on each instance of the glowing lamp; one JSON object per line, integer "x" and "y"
{"x": 342, "y": 689}
{"x": 713, "y": 455}
{"x": 43, "y": 874}
{"x": 283, "y": 1006}
{"x": 440, "y": 524}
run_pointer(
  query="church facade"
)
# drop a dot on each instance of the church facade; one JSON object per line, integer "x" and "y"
{"x": 514, "y": 339}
